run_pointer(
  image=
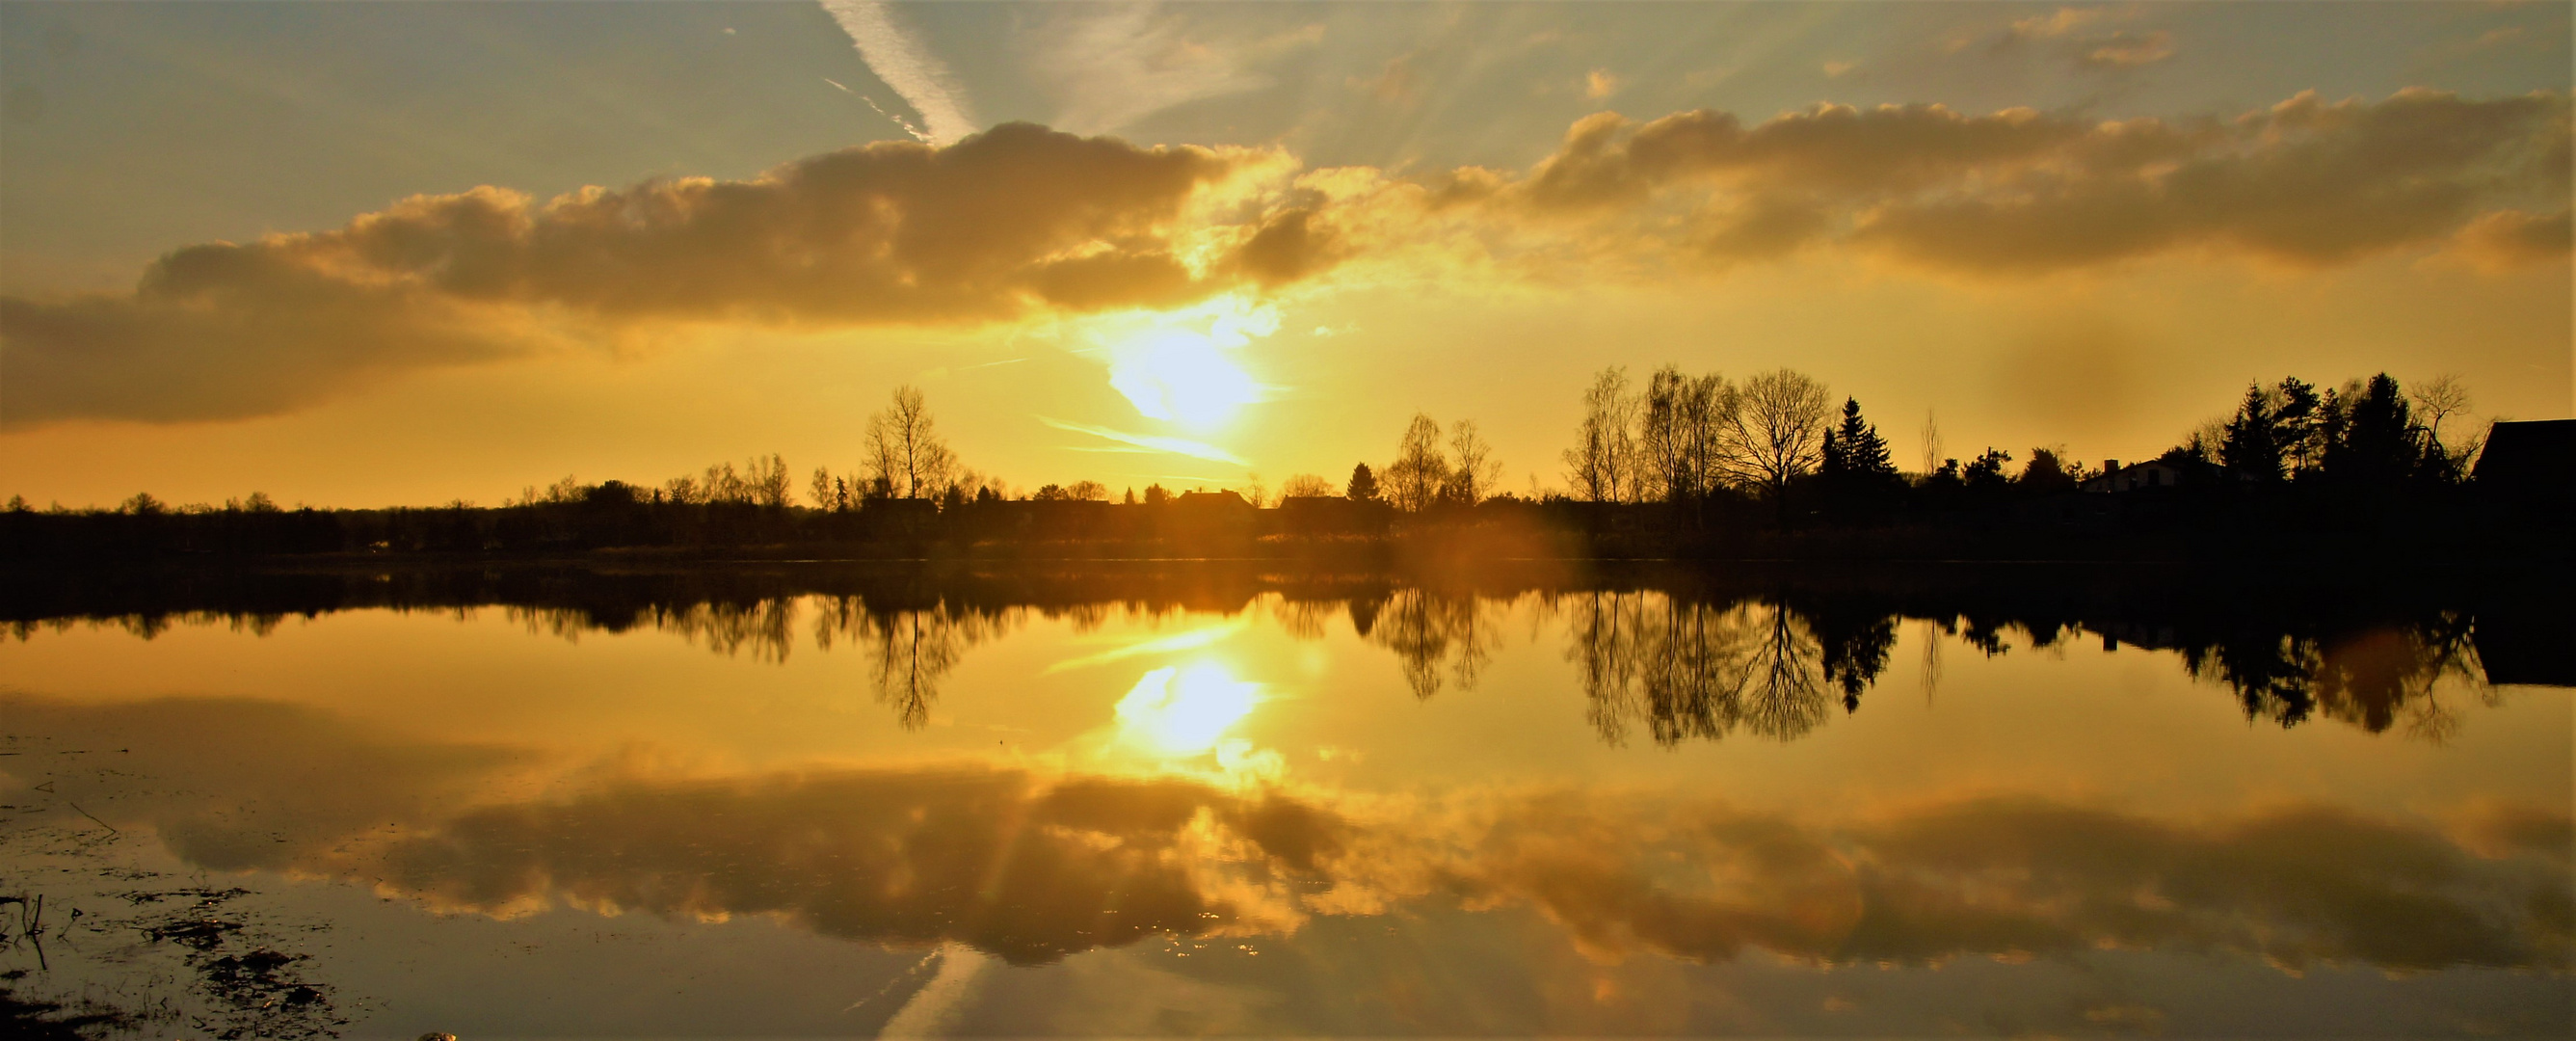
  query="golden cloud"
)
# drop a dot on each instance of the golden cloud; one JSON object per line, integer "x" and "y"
{"x": 1022, "y": 221}
{"x": 1007, "y": 222}
{"x": 2308, "y": 182}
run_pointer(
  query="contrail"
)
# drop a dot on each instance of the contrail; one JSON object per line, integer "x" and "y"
{"x": 1149, "y": 442}
{"x": 891, "y": 117}
{"x": 916, "y": 75}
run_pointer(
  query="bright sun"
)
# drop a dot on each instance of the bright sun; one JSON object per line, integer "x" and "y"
{"x": 1183, "y": 711}
{"x": 1182, "y": 376}
{"x": 1180, "y": 366}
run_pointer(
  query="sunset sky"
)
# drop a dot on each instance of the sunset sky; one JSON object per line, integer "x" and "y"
{"x": 361, "y": 255}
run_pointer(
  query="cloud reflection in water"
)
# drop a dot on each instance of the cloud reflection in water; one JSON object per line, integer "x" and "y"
{"x": 1032, "y": 865}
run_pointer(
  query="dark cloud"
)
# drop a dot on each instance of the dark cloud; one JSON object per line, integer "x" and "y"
{"x": 1290, "y": 247}
{"x": 1016, "y": 219}
{"x": 2306, "y": 182}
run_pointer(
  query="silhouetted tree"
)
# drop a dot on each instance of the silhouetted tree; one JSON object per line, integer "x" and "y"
{"x": 822, "y": 489}
{"x": 1473, "y": 477}
{"x": 2376, "y": 441}
{"x": 1854, "y": 448}
{"x": 2252, "y": 448}
{"x": 1777, "y": 431}
{"x": 1304, "y": 486}
{"x": 2299, "y": 415}
{"x": 1680, "y": 443}
{"x": 1854, "y": 464}
{"x": 904, "y": 449}
{"x": 1155, "y": 495}
{"x": 1598, "y": 465}
{"x": 1986, "y": 472}
{"x": 1413, "y": 480}
{"x": 1363, "y": 486}
{"x": 2046, "y": 473}
{"x": 765, "y": 481}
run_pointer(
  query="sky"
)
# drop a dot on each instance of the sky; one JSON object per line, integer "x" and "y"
{"x": 364, "y": 255}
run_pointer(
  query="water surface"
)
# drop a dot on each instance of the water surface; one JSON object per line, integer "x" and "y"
{"x": 1183, "y": 803}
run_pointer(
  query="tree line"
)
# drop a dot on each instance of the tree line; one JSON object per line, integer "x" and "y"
{"x": 1680, "y": 464}
{"x": 1685, "y": 439}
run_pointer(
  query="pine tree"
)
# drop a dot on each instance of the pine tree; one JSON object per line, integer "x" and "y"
{"x": 2376, "y": 440}
{"x": 1863, "y": 452}
{"x": 1363, "y": 486}
{"x": 2253, "y": 444}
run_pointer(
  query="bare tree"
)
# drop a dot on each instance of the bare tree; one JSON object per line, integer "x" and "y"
{"x": 905, "y": 453}
{"x": 1599, "y": 464}
{"x": 2438, "y": 399}
{"x": 821, "y": 489}
{"x": 1305, "y": 486}
{"x": 1777, "y": 431}
{"x": 765, "y": 481}
{"x": 1680, "y": 434}
{"x": 1477, "y": 473}
{"x": 1662, "y": 435}
{"x": 1419, "y": 469}
{"x": 1931, "y": 442}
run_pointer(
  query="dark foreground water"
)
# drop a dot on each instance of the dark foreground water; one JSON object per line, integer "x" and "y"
{"x": 1182, "y": 803}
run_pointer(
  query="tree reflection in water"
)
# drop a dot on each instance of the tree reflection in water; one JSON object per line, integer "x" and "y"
{"x": 909, "y": 651}
{"x": 1429, "y": 630}
{"x": 1690, "y": 669}
{"x": 1684, "y": 657}
{"x": 2373, "y": 679}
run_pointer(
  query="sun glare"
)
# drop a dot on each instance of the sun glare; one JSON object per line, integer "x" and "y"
{"x": 1185, "y": 710}
{"x": 1181, "y": 366}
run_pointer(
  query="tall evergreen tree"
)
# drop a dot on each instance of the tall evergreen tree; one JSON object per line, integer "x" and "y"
{"x": 2375, "y": 438}
{"x": 2252, "y": 447}
{"x": 1363, "y": 486}
{"x": 1856, "y": 446}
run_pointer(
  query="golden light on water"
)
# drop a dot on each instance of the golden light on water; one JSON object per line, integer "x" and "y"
{"x": 1185, "y": 710}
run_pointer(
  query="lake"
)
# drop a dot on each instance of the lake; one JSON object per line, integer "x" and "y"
{"x": 1170, "y": 799}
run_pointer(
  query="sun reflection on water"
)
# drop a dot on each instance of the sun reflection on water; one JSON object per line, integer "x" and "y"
{"x": 1185, "y": 710}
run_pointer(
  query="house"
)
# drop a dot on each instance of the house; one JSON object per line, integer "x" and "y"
{"x": 2154, "y": 473}
{"x": 2532, "y": 461}
{"x": 1331, "y": 515}
{"x": 1219, "y": 503}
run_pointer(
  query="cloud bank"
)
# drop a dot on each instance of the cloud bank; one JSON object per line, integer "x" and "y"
{"x": 2306, "y": 182}
{"x": 1022, "y": 221}
{"x": 1010, "y": 221}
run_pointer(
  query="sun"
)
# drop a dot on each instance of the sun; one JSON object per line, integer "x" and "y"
{"x": 1184, "y": 366}
{"x": 1183, "y": 376}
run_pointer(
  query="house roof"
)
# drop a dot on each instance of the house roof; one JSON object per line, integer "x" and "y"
{"x": 2530, "y": 455}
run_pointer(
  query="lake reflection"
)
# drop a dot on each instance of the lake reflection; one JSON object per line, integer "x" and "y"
{"x": 1231, "y": 804}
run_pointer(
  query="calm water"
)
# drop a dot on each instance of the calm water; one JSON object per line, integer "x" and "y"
{"x": 591, "y": 806}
